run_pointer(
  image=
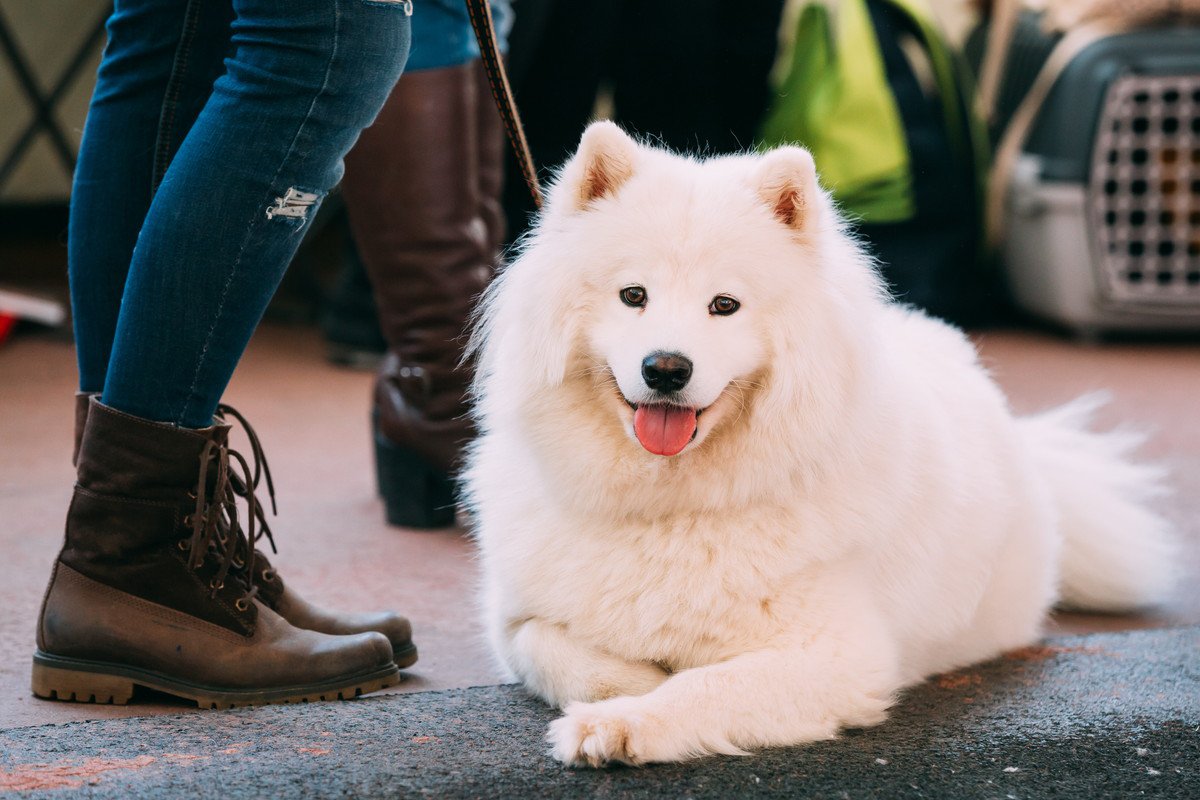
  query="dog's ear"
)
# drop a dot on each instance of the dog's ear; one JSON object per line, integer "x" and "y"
{"x": 786, "y": 180}
{"x": 603, "y": 162}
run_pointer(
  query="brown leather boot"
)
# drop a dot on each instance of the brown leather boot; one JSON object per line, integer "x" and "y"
{"x": 412, "y": 189}
{"x": 272, "y": 591}
{"x": 148, "y": 589}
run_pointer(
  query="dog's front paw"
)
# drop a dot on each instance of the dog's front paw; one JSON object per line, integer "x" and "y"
{"x": 598, "y": 734}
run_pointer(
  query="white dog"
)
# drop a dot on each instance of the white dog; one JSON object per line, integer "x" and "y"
{"x": 729, "y": 496}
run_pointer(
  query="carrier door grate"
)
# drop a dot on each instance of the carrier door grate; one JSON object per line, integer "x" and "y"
{"x": 1144, "y": 192}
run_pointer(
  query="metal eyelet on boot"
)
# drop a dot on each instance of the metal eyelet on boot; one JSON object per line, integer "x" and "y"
{"x": 268, "y": 574}
{"x": 185, "y": 544}
{"x": 241, "y": 604}
{"x": 216, "y": 585}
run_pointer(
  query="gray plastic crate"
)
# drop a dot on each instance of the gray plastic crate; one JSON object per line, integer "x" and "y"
{"x": 1103, "y": 212}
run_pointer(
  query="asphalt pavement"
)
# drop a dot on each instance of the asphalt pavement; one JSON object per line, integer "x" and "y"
{"x": 1088, "y": 717}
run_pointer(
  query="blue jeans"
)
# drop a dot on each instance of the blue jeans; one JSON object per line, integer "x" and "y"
{"x": 215, "y": 130}
{"x": 442, "y": 34}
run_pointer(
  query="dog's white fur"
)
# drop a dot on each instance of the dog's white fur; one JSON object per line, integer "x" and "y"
{"x": 859, "y": 508}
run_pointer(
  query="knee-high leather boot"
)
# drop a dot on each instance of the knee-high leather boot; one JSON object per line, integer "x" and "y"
{"x": 413, "y": 188}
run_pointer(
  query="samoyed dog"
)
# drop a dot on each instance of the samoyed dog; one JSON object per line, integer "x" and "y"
{"x": 729, "y": 495}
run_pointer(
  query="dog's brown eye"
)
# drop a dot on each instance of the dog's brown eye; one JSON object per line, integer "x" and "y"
{"x": 634, "y": 296}
{"x": 723, "y": 305}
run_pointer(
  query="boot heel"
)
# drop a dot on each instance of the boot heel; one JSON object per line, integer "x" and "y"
{"x": 56, "y": 683}
{"x": 414, "y": 494}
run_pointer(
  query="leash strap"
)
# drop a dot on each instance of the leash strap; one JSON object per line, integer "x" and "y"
{"x": 493, "y": 64}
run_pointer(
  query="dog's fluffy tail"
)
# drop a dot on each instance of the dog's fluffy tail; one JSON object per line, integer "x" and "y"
{"x": 1118, "y": 552}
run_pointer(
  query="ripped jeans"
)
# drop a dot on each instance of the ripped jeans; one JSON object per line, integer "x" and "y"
{"x": 215, "y": 130}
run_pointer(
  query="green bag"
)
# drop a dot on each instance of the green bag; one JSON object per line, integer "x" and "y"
{"x": 907, "y": 167}
{"x": 836, "y": 101}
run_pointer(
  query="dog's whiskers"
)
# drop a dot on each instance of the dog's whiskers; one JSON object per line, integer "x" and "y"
{"x": 743, "y": 405}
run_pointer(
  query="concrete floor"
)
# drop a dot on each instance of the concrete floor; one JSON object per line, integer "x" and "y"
{"x": 334, "y": 545}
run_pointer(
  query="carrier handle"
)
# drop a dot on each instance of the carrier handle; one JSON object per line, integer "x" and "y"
{"x": 1015, "y": 134}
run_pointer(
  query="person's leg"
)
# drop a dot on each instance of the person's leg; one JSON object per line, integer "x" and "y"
{"x": 302, "y": 80}
{"x": 154, "y": 583}
{"x": 422, "y": 194}
{"x": 160, "y": 62}
{"x": 183, "y": 46}
{"x": 145, "y": 78}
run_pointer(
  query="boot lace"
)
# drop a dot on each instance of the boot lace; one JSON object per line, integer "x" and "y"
{"x": 225, "y": 476}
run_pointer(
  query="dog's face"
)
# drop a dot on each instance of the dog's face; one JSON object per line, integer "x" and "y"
{"x": 680, "y": 304}
{"x": 665, "y": 297}
{"x": 678, "y": 332}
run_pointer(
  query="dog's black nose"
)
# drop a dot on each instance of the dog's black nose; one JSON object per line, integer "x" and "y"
{"x": 666, "y": 372}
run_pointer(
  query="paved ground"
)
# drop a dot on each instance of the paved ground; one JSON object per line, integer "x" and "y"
{"x": 1100, "y": 716}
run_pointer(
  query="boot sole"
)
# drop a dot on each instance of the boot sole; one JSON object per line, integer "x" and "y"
{"x": 414, "y": 494}
{"x": 82, "y": 681}
{"x": 405, "y": 656}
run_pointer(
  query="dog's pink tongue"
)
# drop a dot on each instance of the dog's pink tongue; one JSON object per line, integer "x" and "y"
{"x": 664, "y": 430}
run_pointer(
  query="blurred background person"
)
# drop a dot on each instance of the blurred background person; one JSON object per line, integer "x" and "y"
{"x": 692, "y": 76}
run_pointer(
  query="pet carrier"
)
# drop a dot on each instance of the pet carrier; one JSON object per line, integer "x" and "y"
{"x": 1095, "y": 199}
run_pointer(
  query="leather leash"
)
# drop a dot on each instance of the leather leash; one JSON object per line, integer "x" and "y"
{"x": 493, "y": 64}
